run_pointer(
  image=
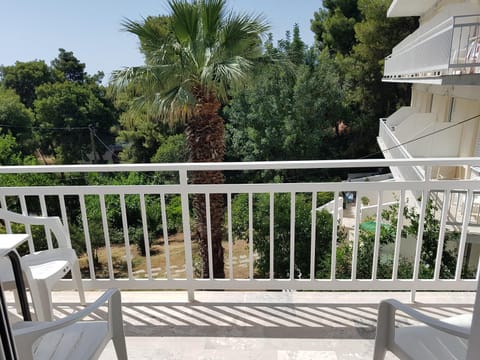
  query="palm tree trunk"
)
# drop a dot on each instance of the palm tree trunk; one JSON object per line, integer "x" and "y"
{"x": 206, "y": 141}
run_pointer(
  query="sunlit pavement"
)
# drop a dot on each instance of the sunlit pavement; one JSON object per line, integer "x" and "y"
{"x": 257, "y": 325}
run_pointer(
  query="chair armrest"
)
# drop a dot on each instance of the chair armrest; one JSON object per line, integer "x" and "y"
{"x": 51, "y": 223}
{"x": 451, "y": 329}
{"x": 33, "y": 331}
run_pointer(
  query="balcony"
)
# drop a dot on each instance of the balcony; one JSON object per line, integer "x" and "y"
{"x": 295, "y": 276}
{"x": 438, "y": 52}
{"x": 396, "y": 135}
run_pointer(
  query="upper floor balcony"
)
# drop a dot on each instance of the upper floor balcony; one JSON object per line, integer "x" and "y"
{"x": 438, "y": 52}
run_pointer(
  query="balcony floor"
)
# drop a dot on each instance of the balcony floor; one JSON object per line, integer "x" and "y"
{"x": 257, "y": 325}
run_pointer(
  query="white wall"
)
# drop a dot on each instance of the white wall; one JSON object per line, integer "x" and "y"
{"x": 458, "y": 141}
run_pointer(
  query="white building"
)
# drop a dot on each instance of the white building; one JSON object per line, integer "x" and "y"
{"x": 441, "y": 60}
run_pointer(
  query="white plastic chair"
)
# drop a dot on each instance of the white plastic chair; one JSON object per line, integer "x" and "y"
{"x": 43, "y": 269}
{"x": 73, "y": 339}
{"x": 457, "y": 337}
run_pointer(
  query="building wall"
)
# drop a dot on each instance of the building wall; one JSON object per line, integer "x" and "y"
{"x": 452, "y": 104}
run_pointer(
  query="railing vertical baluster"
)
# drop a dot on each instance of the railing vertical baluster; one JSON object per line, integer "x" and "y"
{"x": 250, "y": 234}
{"x": 477, "y": 276}
{"x": 272, "y": 237}
{"x": 230, "y": 235}
{"x": 3, "y": 202}
{"x": 126, "y": 236}
{"x": 398, "y": 236}
{"x": 469, "y": 37}
{"x": 292, "y": 234}
{"x": 63, "y": 212}
{"x": 459, "y": 44}
{"x": 106, "y": 234}
{"x": 457, "y": 205}
{"x": 86, "y": 232}
{"x": 356, "y": 234}
{"x": 187, "y": 237}
{"x": 165, "y": 236}
{"x": 313, "y": 235}
{"x": 463, "y": 236}
{"x": 28, "y": 229}
{"x": 441, "y": 234}
{"x": 209, "y": 236}
{"x": 43, "y": 209}
{"x": 418, "y": 248}
{"x": 376, "y": 247}
{"x": 146, "y": 240}
{"x": 333, "y": 263}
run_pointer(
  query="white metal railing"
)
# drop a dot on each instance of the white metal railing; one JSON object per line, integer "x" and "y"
{"x": 451, "y": 47}
{"x": 465, "y": 48}
{"x": 101, "y": 219}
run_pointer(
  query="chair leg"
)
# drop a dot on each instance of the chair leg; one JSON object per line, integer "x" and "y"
{"x": 385, "y": 330}
{"x": 42, "y": 300}
{"x": 18, "y": 308}
{"x": 116, "y": 323}
{"x": 77, "y": 279}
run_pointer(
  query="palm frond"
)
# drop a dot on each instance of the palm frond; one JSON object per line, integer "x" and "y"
{"x": 202, "y": 48}
{"x": 175, "y": 105}
{"x": 213, "y": 13}
{"x": 185, "y": 21}
{"x": 152, "y": 32}
{"x": 241, "y": 30}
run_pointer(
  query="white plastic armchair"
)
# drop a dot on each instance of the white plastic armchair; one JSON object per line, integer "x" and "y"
{"x": 70, "y": 337}
{"x": 456, "y": 337}
{"x": 43, "y": 269}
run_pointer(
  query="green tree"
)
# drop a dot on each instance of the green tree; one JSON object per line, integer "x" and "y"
{"x": 333, "y": 25}
{"x": 173, "y": 149}
{"x": 24, "y": 77}
{"x": 9, "y": 151}
{"x": 69, "y": 66}
{"x": 376, "y": 36}
{"x": 358, "y": 36}
{"x": 187, "y": 76}
{"x": 281, "y": 236}
{"x": 64, "y": 112}
{"x": 268, "y": 120}
{"x": 431, "y": 230}
{"x": 16, "y": 119}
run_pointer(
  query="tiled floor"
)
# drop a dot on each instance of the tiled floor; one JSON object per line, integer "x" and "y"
{"x": 257, "y": 325}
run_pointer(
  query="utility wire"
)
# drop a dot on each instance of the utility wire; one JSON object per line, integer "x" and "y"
{"x": 105, "y": 145}
{"x": 43, "y": 128}
{"x": 421, "y": 137}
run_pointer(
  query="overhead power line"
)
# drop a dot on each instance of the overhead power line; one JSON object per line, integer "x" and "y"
{"x": 43, "y": 128}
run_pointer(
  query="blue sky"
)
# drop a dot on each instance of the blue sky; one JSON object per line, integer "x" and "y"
{"x": 36, "y": 29}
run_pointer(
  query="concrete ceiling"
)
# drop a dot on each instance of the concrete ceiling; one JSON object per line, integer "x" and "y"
{"x": 409, "y": 7}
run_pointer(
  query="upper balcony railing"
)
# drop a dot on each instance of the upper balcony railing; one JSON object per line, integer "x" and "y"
{"x": 394, "y": 149}
{"x": 433, "y": 51}
{"x": 142, "y": 235}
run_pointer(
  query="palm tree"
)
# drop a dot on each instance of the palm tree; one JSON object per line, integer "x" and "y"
{"x": 194, "y": 58}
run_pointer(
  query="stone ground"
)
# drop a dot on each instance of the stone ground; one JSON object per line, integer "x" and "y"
{"x": 257, "y": 325}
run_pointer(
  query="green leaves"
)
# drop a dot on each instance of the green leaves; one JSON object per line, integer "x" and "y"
{"x": 64, "y": 111}
{"x": 204, "y": 49}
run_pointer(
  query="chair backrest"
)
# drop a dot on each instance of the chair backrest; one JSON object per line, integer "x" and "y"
{"x": 51, "y": 224}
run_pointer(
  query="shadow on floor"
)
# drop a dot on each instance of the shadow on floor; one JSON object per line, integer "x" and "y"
{"x": 278, "y": 320}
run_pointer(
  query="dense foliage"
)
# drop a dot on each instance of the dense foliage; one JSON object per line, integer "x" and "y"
{"x": 302, "y": 103}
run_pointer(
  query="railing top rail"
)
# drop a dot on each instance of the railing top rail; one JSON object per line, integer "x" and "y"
{"x": 461, "y": 17}
{"x": 260, "y": 165}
